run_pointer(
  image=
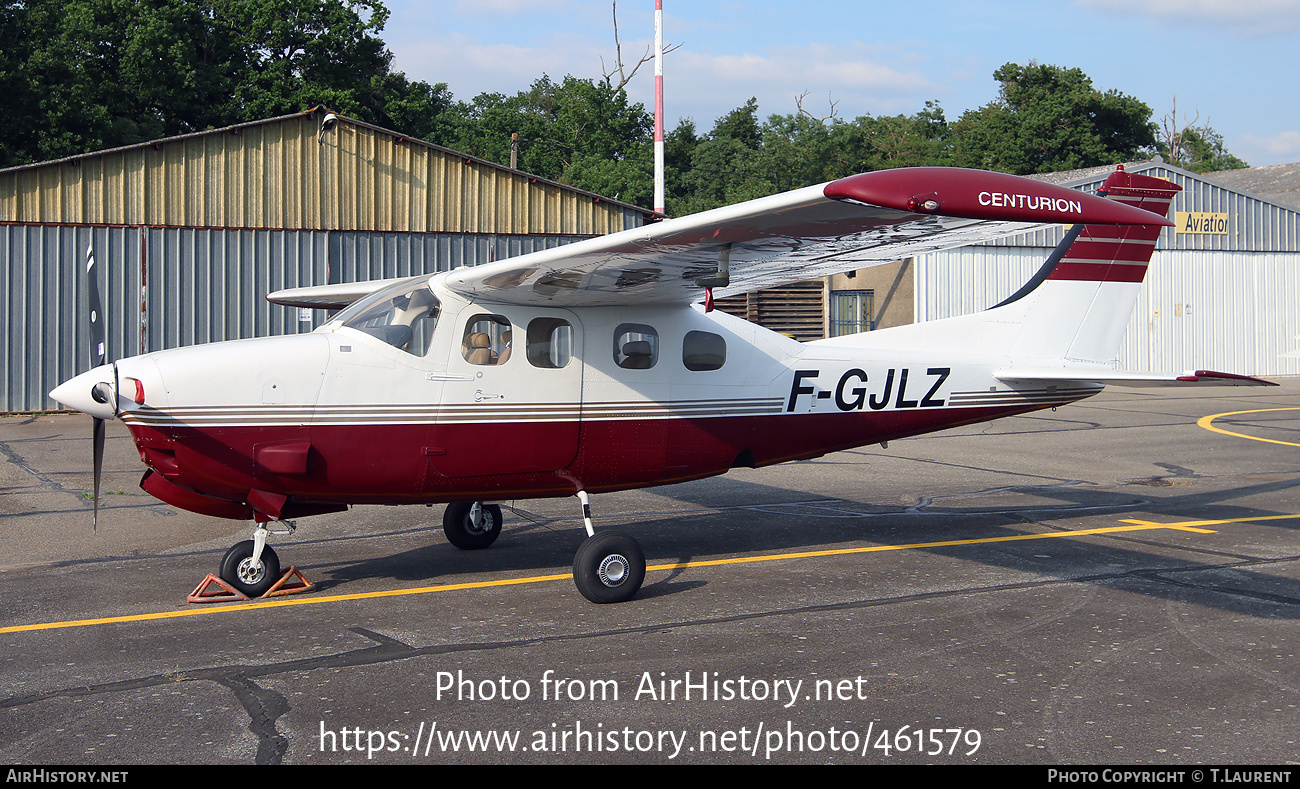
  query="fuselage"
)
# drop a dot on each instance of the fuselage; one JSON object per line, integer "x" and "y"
{"x": 426, "y": 396}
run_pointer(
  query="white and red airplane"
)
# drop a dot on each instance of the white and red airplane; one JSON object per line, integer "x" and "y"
{"x": 592, "y": 367}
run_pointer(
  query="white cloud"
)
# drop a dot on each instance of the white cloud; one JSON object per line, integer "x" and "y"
{"x": 706, "y": 86}
{"x": 470, "y": 67}
{"x": 703, "y": 86}
{"x": 470, "y": 9}
{"x": 1247, "y": 18}
{"x": 1281, "y": 148}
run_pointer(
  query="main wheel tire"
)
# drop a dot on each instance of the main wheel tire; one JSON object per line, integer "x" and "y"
{"x": 609, "y": 567}
{"x": 238, "y": 570}
{"x": 467, "y": 533}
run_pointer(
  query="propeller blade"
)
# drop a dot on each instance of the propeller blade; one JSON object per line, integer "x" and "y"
{"x": 98, "y": 435}
{"x": 98, "y": 356}
{"x": 98, "y": 345}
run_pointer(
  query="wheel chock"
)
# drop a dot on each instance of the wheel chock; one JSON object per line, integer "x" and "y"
{"x": 223, "y": 593}
{"x": 292, "y": 582}
{"x": 213, "y": 589}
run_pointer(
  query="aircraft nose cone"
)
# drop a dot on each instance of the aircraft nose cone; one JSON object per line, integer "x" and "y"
{"x": 92, "y": 392}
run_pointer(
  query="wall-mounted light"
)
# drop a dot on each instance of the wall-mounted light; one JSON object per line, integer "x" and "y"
{"x": 328, "y": 122}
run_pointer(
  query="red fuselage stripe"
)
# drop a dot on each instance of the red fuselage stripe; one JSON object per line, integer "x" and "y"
{"x": 412, "y": 463}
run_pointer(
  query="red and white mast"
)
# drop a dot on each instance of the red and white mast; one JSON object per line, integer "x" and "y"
{"x": 659, "y": 107}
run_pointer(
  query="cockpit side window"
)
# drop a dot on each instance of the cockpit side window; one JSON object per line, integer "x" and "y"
{"x": 403, "y": 316}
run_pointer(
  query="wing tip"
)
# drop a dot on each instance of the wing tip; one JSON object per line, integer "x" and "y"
{"x": 981, "y": 194}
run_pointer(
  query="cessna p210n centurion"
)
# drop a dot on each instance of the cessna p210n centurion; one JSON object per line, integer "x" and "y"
{"x": 593, "y": 367}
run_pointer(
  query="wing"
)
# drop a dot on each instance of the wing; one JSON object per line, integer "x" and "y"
{"x": 852, "y": 223}
{"x": 329, "y": 297}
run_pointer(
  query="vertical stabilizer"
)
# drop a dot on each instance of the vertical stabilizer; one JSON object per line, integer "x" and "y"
{"x": 1078, "y": 314}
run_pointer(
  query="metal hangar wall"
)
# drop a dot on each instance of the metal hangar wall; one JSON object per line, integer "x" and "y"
{"x": 190, "y": 233}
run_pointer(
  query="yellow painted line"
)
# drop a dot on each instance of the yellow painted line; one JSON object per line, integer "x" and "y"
{"x": 280, "y": 602}
{"x": 1189, "y": 525}
{"x": 1206, "y": 420}
{"x": 277, "y": 603}
{"x": 912, "y": 546}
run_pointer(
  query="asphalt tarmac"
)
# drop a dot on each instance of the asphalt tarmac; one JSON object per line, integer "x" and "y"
{"x": 1110, "y": 583}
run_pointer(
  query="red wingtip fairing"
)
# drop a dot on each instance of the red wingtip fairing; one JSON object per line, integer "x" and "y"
{"x": 977, "y": 194}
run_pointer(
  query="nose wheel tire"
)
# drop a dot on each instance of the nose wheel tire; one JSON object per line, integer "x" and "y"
{"x": 238, "y": 569}
{"x": 470, "y": 525}
{"x": 609, "y": 567}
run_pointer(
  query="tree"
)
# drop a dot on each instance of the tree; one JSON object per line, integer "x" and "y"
{"x": 78, "y": 75}
{"x": 1048, "y": 119}
{"x": 1206, "y": 152}
{"x": 99, "y": 73}
{"x": 585, "y": 133}
{"x": 741, "y": 124}
{"x": 1200, "y": 149}
{"x": 620, "y": 68}
{"x": 300, "y": 53}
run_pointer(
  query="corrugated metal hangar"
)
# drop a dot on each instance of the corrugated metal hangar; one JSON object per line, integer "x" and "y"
{"x": 192, "y": 232}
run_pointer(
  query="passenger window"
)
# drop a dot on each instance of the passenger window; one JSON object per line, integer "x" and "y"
{"x": 636, "y": 346}
{"x": 487, "y": 340}
{"x": 550, "y": 343}
{"x": 703, "y": 350}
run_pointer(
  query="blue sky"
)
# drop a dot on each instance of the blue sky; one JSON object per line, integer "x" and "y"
{"x": 1233, "y": 63}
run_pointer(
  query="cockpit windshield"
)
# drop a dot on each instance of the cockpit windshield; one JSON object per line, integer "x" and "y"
{"x": 403, "y": 315}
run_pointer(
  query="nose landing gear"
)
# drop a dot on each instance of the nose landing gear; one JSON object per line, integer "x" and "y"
{"x": 250, "y": 576}
{"x": 251, "y": 569}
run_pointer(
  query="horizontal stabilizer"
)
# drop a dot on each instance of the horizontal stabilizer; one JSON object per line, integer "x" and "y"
{"x": 1114, "y": 378}
{"x": 329, "y": 297}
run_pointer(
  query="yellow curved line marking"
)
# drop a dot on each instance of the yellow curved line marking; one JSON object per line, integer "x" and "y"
{"x": 280, "y": 602}
{"x": 1206, "y": 420}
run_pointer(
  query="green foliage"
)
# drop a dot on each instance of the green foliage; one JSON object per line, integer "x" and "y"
{"x": 1048, "y": 119}
{"x": 97, "y": 73}
{"x": 741, "y": 124}
{"x": 81, "y": 75}
{"x": 1200, "y": 149}
{"x": 300, "y": 53}
{"x": 580, "y": 132}
{"x": 742, "y": 160}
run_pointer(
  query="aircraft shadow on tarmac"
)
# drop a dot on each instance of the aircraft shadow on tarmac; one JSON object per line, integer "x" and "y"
{"x": 771, "y": 526}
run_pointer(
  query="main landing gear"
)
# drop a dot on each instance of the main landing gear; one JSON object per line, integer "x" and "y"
{"x": 608, "y": 567}
{"x": 470, "y": 525}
